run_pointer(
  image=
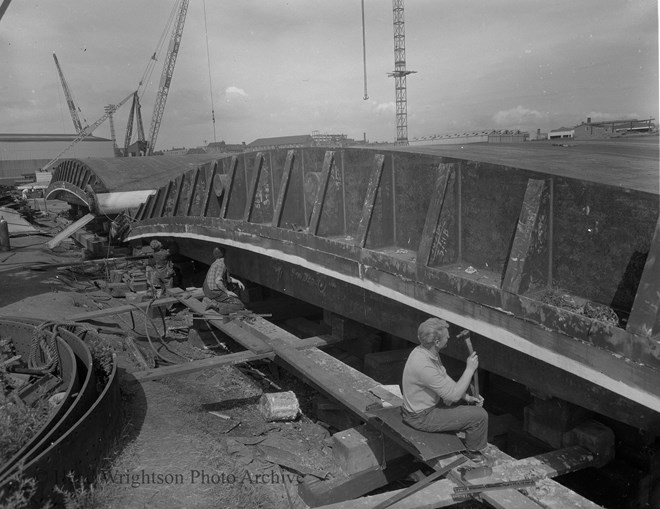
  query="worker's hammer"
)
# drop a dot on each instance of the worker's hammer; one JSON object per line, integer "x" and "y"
{"x": 475, "y": 377}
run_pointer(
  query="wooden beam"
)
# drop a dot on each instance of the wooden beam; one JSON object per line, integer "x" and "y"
{"x": 168, "y": 190}
{"x": 192, "y": 191}
{"x": 542, "y": 467}
{"x": 233, "y": 164}
{"x": 370, "y": 200}
{"x": 645, "y": 315}
{"x": 252, "y": 192}
{"x": 210, "y": 175}
{"x": 328, "y": 164}
{"x": 149, "y": 206}
{"x": 177, "y": 188}
{"x": 433, "y": 214}
{"x": 522, "y": 241}
{"x": 338, "y": 489}
{"x": 231, "y": 328}
{"x": 92, "y": 315}
{"x": 222, "y": 360}
{"x": 284, "y": 188}
{"x": 198, "y": 365}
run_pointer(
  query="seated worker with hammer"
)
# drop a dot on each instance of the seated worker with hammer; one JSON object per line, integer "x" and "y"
{"x": 217, "y": 283}
{"x": 431, "y": 398}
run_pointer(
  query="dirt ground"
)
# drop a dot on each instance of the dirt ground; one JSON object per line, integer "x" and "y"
{"x": 194, "y": 441}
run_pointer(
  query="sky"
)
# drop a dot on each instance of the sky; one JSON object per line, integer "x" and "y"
{"x": 283, "y": 68}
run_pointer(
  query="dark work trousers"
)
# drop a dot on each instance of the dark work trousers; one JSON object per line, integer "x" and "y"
{"x": 473, "y": 420}
{"x": 225, "y": 303}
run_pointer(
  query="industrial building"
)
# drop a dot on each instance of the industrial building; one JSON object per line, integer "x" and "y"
{"x": 23, "y": 154}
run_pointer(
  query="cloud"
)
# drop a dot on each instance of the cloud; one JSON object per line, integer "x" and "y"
{"x": 598, "y": 116}
{"x": 386, "y": 107}
{"x": 516, "y": 116}
{"x": 235, "y": 91}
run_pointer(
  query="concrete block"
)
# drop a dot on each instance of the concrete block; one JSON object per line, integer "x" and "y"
{"x": 386, "y": 367}
{"x": 363, "y": 448}
{"x": 594, "y": 436}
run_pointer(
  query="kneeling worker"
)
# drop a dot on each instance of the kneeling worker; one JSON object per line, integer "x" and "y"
{"x": 217, "y": 285}
{"x": 432, "y": 399}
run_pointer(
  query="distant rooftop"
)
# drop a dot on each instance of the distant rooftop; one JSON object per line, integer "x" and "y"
{"x": 302, "y": 139}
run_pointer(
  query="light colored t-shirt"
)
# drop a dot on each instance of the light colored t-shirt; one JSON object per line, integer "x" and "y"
{"x": 425, "y": 381}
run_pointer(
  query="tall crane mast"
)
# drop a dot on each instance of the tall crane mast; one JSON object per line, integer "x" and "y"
{"x": 77, "y": 124}
{"x": 166, "y": 76}
{"x": 400, "y": 73}
{"x": 109, "y": 109}
{"x": 136, "y": 113}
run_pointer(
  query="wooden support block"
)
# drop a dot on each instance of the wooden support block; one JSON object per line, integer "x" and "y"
{"x": 317, "y": 493}
{"x": 363, "y": 448}
{"x": 305, "y": 326}
{"x": 595, "y": 437}
{"x": 550, "y": 419}
{"x": 333, "y": 414}
{"x": 386, "y": 367}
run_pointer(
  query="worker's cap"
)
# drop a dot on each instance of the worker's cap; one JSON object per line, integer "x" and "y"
{"x": 428, "y": 329}
{"x": 154, "y": 244}
{"x": 218, "y": 252}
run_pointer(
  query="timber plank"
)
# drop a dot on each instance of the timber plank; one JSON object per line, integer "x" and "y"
{"x": 223, "y": 360}
{"x": 284, "y": 188}
{"x": 541, "y": 468}
{"x": 249, "y": 202}
{"x": 433, "y": 215}
{"x": 522, "y": 241}
{"x": 199, "y": 365}
{"x": 224, "y": 208}
{"x": 118, "y": 310}
{"x": 370, "y": 200}
{"x": 645, "y": 313}
{"x": 425, "y": 446}
{"x": 249, "y": 341}
{"x": 316, "y": 493}
{"x": 328, "y": 164}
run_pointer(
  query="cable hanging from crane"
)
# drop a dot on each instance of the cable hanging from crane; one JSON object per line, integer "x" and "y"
{"x": 208, "y": 60}
{"x": 146, "y": 76}
{"x": 364, "y": 53}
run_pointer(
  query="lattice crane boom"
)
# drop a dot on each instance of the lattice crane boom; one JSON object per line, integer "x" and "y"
{"x": 166, "y": 76}
{"x": 400, "y": 73}
{"x": 88, "y": 130}
{"x": 77, "y": 124}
